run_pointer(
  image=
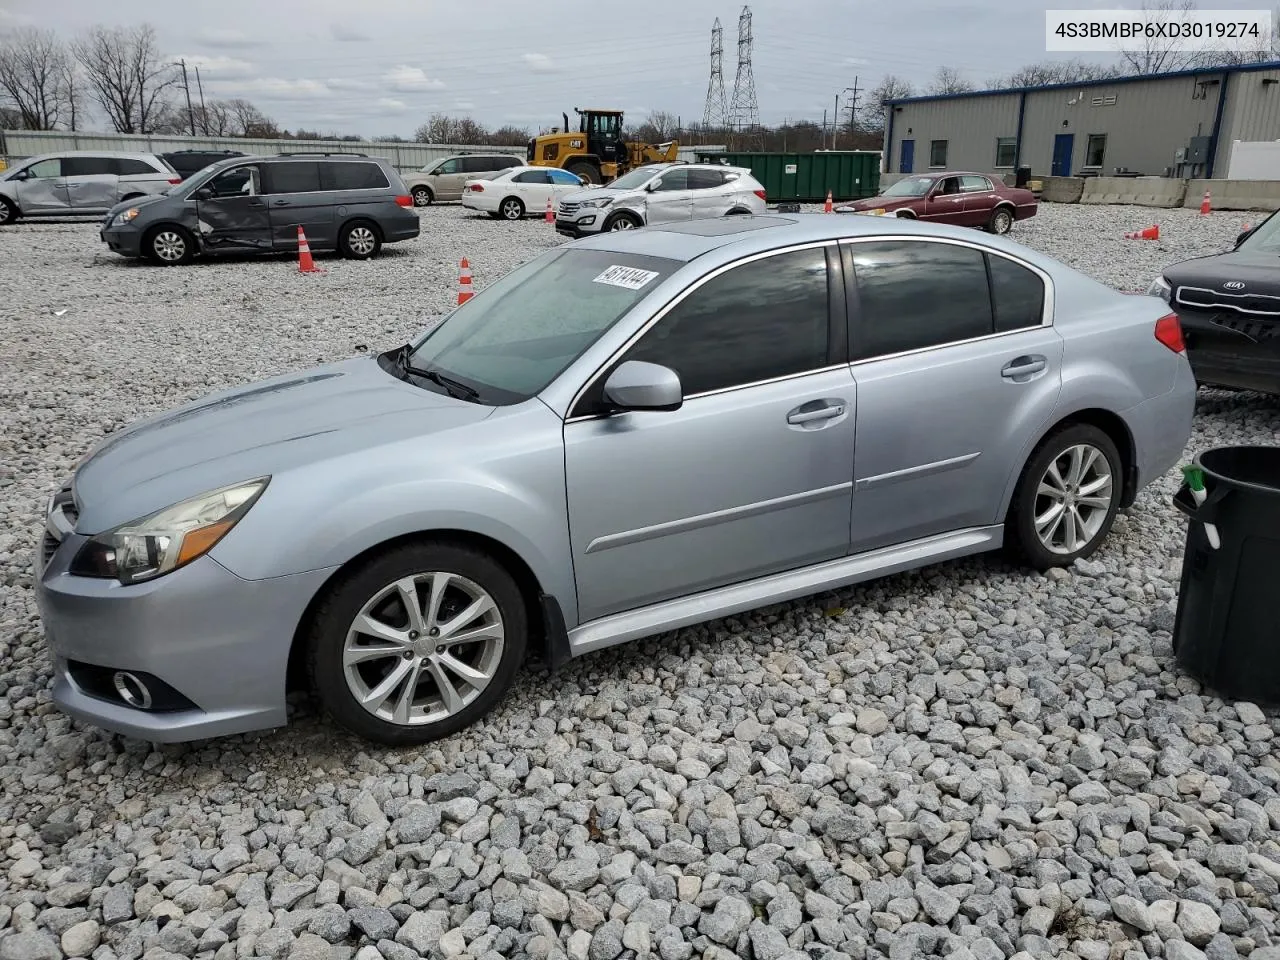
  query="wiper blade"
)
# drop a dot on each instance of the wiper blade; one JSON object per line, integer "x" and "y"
{"x": 456, "y": 388}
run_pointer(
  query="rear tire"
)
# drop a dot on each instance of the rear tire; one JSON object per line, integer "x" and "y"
{"x": 1067, "y": 497}
{"x": 476, "y": 673}
{"x": 422, "y": 197}
{"x": 169, "y": 245}
{"x": 587, "y": 171}
{"x": 9, "y": 213}
{"x": 1001, "y": 221}
{"x": 359, "y": 240}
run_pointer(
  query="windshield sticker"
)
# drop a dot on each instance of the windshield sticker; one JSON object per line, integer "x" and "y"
{"x": 630, "y": 278}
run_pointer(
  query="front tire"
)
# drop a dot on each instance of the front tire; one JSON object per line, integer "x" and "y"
{"x": 359, "y": 240}
{"x": 8, "y": 212}
{"x": 1001, "y": 221}
{"x": 418, "y": 643}
{"x": 1067, "y": 497}
{"x": 169, "y": 245}
{"x": 623, "y": 221}
{"x": 587, "y": 171}
{"x": 422, "y": 197}
{"x": 511, "y": 209}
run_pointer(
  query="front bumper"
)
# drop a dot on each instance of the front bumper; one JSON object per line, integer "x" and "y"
{"x": 1240, "y": 352}
{"x": 582, "y": 223}
{"x": 219, "y": 642}
{"x": 124, "y": 239}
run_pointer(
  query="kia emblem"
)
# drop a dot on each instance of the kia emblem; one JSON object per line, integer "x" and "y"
{"x": 1233, "y": 285}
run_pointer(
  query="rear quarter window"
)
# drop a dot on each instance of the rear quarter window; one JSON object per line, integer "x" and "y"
{"x": 352, "y": 176}
{"x": 126, "y": 167}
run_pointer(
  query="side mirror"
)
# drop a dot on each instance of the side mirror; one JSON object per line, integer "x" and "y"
{"x": 202, "y": 193}
{"x": 22, "y": 175}
{"x": 637, "y": 385}
{"x": 652, "y": 185}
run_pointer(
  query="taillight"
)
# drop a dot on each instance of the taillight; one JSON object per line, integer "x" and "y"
{"x": 759, "y": 193}
{"x": 175, "y": 179}
{"x": 1169, "y": 332}
{"x": 476, "y": 188}
{"x": 404, "y": 200}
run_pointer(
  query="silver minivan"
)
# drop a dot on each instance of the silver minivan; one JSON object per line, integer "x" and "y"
{"x": 80, "y": 183}
{"x": 446, "y": 178}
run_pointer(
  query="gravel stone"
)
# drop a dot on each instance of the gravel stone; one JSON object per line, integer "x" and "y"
{"x": 728, "y": 921}
{"x": 1198, "y": 921}
{"x": 30, "y": 945}
{"x": 376, "y": 923}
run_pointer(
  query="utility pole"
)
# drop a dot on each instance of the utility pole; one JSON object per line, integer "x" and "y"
{"x": 835, "y": 122}
{"x": 204, "y": 116}
{"x": 191, "y": 117}
{"x": 824, "y": 129}
{"x": 853, "y": 107}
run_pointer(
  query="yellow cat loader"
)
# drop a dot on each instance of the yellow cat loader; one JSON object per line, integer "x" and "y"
{"x": 596, "y": 151}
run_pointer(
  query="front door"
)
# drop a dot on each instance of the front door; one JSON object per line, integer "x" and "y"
{"x": 296, "y": 199}
{"x": 44, "y": 190}
{"x": 235, "y": 215}
{"x": 92, "y": 183}
{"x": 1062, "y": 145}
{"x": 671, "y": 199}
{"x": 956, "y": 375}
{"x": 448, "y": 178}
{"x": 946, "y": 203}
{"x": 908, "y": 158}
{"x": 753, "y": 475}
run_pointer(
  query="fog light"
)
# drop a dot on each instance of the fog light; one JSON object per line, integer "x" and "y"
{"x": 131, "y": 690}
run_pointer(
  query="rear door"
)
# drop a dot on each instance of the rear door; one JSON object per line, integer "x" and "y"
{"x": 92, "y": 184}
{"x": 562, "y": 182}
{"x": 707, "y": 194}
{"x": 958, "y": 368}
{"x": 138, "y": 176}
{"x": 671, "y": 200}
{"x": 44, "y": 190}
{"x": 979, "y": 199}
{"x": 534, "y": 189}
{"x": 296, "y": 199}
{"x": 352, "y": 185}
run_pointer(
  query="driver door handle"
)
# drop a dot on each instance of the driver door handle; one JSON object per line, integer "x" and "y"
{"x": 822, "y": 413}
{"x": 1022, "y": 367}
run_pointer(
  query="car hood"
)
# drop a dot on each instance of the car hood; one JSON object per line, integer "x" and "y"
{"x": 597, "y": 193}
{"x": 1259, "y": 272}
{"x": 264, "y": 428}
{"x": 139, "y": 202}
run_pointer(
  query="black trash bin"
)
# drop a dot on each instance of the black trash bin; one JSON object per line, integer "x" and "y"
{"x": 1022, "y": 177}
{"x": 1227, "y": 629}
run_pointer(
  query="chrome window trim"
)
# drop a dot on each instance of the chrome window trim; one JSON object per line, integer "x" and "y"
{"x": 677, "y": 300}
{"x": 1046, "y": 318}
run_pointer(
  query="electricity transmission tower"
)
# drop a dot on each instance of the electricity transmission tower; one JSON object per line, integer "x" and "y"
{"x": 715, "y": 115}
{"x": 745, "y": 111}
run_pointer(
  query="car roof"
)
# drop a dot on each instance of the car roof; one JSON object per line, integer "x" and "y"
{"x": 119, "y": 154}
{"x": 747, "y": 234}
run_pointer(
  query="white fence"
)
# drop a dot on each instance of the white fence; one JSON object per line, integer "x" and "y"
{"x": 1254, "y": 160}
{"x": 17, "y": 144}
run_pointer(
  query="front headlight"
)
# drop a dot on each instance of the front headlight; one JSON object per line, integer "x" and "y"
{"x": 126, "y": 215}
{"x": 1160, "y": 288}
{"x": 171, "y": 538}
{"x": 599, "y": 204}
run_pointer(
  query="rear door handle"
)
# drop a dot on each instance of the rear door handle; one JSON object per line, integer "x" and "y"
{"x": 1023, "y": 367}
{"x": 822, "y": 413}
{"x": 281, "y": 203}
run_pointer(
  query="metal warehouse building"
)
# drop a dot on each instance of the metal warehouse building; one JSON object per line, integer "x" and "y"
{"x": 1177, "y": 124}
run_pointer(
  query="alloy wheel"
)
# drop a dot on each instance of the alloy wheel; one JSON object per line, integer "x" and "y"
{"x": 423, "y": 648}
{"x": 511, "y": 210}
{"x": 623, "y": 223}
{"x": 1002, "y": 221}
{"x": 1073, "y": 499}
{"x": 169, "y": 246}
{"x": 4, "y": 212}
{"x": 361, "y": 241}
{"x": 421, "y": 198}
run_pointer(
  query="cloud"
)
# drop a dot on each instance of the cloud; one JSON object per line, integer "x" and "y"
{"x": 11, "y": 18}
{"x": 231, "y": 39}
{"x": 344, "y": 83}
{"x": 282, "y": 88}
{"x": 410, "y": 79}
{"x": 854, "y": 61}
{"x": 218, "y": 68}
{"x": 464, "y": 105}
{"x": 540, "y": 63}
{"x": 387, "y": 105}
{"x": 344, "y": 34}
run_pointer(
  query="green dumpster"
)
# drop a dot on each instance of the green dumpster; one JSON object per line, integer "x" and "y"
{"x": 806, "y": 177}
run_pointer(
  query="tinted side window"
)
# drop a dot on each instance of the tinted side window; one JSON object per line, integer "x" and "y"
{"x": 562, "y": 177}
{"x": 915, "y": 294}
{"x": 478, "y": 164}
{"x": 677, "y": 179}
{"x": 764, "y": 319}
{"x": 975, "y": 184}
{"x": 705, "y": 179}
{"x": 86, "y": 166}
{"x": 449, "y": 166}
{"x": 1018, "y": 294}
{"x": 126, "y": 167}
{"x": 352, "y": 176}
{"x": 293, "y": 176}
{"x": 531, "y": 176}
{"x": 505, "y": 163}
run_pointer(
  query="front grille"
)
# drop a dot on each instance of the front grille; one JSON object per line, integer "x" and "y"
{"x": 568, "y": 209}
{"x": 1256, "y": 329}
{"x": 1202, "y": 298}
{"x": 49, "y": 546}
{"x": 71, "y": 512}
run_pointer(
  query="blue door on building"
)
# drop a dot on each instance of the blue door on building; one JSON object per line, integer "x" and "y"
{"x": 1062, "y": 144}
{"x": 908, "y": 156}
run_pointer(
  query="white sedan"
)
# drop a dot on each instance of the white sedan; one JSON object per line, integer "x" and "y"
{"x": 520, "y": 192}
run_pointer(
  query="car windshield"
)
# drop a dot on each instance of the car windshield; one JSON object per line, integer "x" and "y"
{"x": 911, "y": 187}
{"x": 517, "y": 335}
{"x": 199, "y": 179}
{"x": 1265, "y": 239}
{"x": 636, "y": 178}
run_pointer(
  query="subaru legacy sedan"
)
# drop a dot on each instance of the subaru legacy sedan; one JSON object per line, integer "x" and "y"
{"x": 628, "y": 434}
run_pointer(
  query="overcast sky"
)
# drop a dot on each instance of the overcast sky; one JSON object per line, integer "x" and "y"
{"x": 380, "y": 66}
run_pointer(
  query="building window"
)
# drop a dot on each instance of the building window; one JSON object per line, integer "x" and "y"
{"x": 1006, "y": 147}
{"x": 937, "y": 153}
{"x": 1096, "y": 150}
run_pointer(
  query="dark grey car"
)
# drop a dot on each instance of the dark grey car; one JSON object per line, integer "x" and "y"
{"x": 349, "y": 202}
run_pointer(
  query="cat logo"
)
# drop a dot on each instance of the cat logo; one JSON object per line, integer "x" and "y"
{"x": 576, "y": 144}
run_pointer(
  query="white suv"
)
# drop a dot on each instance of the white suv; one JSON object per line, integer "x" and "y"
{"x": 661, "y": 193}
{"x": 80, "y": 183}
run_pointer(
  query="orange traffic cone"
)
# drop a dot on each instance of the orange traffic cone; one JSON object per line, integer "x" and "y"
{"x": 1204, "y": 203}
{"x": 305, "y": 263}
{"x": 826, "y": 207}
{"x": 551, "y": 214}
{"x": 464, "y": 282}
{"x": 1146, "y": 233}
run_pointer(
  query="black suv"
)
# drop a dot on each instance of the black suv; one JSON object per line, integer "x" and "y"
{"x": 1229, "y": 307}
{"x": 350, "y": 202}
{"x": 187, "y": 162}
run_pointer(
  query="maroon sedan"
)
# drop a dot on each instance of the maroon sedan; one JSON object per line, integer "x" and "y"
{"x": 964, "y": 199}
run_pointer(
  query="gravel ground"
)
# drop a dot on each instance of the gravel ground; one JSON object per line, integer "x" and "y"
{"x": 968, "y": 761}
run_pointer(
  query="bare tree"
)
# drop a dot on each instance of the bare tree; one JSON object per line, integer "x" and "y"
{"x": 509, "y": 136}
{"x": 126, "y": 74}
{"x": 246, "y": 120}
{"x": 439, "y": 128}
{"x": 466, "y": 130}
{"x": 1160, "y": 54}
{"x": 1259, "y": 52}
{"x": 872, "y": 113}
{"x": 33, "y": 67}
{"x": 73, "y": 92}
{"x": 949, "y": 80}
{"x": 658, "y": 127}
{"x": 1057, "y": 71}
